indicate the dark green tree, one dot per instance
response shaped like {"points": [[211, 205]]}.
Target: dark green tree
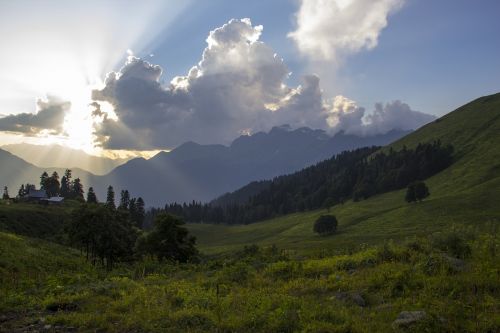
{"points": [[22, 192], [140, 211], [124, 200], [169, 240], [43, 180], [325, 225], [66, 190], [410, 193], [416, 191], [5, 195], [91, 196], [52, 185], [421, 191], [106, 236], [110, 198], [77, 190]]}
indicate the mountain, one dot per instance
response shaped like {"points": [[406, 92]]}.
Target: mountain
{"points": [[203, 172], [56, 156], [16, 171], [464, 196]]}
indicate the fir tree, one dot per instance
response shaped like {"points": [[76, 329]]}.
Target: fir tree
{"points": [[110, 198], [91, 196]]}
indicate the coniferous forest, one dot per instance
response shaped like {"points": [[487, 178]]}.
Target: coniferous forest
{"points": [[356, 175]]}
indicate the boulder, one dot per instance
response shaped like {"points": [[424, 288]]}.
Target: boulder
{"points": [[408, 318]]}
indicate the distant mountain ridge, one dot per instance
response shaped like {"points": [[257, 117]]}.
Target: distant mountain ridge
{"points": [[204, 172], [57, 156]]}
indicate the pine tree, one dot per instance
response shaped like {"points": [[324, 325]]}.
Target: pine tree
{"points": [[124, 200], [43, 180], [110, 198], [140, 211], [22, 192], [6, 193], [66, 184], [91, 197], [77, 190]]}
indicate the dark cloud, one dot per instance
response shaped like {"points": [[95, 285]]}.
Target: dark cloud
{"points": [[49, 116]]}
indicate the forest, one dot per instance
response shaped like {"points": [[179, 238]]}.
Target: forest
{"points": [[356, 175]]}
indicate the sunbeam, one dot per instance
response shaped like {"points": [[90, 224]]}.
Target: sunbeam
{"points": [[68, 63]]}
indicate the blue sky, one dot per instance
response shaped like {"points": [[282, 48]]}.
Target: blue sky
{"points": [[435, 55], [415, 56]]}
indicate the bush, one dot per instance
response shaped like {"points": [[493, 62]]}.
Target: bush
{"points": [[325, 225]]}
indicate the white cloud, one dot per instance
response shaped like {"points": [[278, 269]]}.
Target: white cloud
{"points": [[345, 115], [328, 29], [239, 86]]}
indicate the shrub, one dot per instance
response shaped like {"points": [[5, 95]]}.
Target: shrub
{"points": [[325, 225]]}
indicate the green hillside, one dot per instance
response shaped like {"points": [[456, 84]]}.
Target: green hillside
{"points": [[464, 194], [50, 288]]}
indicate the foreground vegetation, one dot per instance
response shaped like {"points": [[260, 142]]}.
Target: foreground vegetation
{"points": [[452, 277]]}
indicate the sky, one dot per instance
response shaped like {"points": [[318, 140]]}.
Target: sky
{"points": [[130, 76]]}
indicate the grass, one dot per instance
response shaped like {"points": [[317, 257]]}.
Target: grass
{"points": [[259, 289]]}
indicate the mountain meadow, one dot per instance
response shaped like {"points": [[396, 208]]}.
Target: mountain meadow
{"points": [[390, 259]]}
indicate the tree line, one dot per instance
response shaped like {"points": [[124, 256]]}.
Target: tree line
{"points": [[356, 175]]}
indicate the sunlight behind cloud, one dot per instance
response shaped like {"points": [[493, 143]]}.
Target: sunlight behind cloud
{"points": [[65, 49]]}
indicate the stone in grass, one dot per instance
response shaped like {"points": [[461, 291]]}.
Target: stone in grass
{"points": [[408, 318], [354, 297]]}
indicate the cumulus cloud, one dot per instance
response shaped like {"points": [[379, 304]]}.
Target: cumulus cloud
{"points": [[49, 117], [239, 86], [328, 29], [345, 115]]}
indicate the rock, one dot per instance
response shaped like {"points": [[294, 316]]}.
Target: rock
{"points": [[354, 297], [407, 318], [455, 264], [47, 327], [358, 299]]}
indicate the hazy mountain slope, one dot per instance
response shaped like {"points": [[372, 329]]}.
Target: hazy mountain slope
{"points": [[464, 194], [63, 157], [15, 171], [203, 172]]}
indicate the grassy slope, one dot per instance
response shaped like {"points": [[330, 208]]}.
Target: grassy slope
{"points": [[34, 220], [253, 292], [465, 193]]}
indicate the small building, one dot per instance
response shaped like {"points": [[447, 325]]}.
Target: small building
{"points": [[36, 195], [55, 200]]}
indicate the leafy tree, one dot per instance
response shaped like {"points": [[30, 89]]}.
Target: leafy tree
{"points": [[421, 191], [77, 190], [417, 191], [106, 236], [110, 198], [5, 195], [124, 200], [168, 240], [410, 193], [91, 196], [325, 225]]}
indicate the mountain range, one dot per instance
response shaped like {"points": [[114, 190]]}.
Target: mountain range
{"points": [[204, 172], [57, 156]]}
